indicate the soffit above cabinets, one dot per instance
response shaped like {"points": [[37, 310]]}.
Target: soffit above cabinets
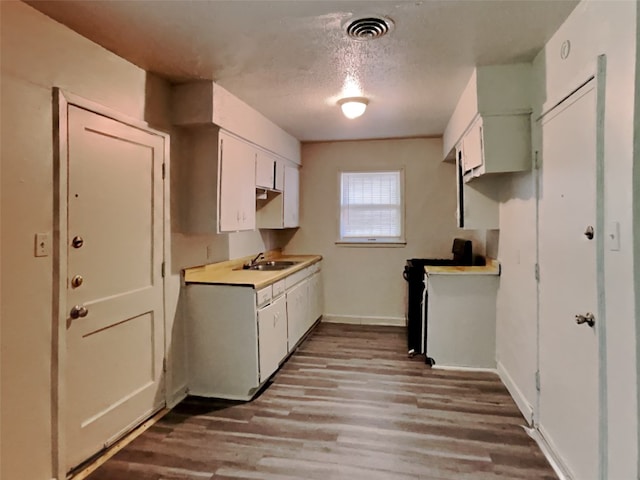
{"points": [[292, 61]]}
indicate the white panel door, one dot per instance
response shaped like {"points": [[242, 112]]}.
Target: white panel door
{"points": [[114, 298], [569, 357]]}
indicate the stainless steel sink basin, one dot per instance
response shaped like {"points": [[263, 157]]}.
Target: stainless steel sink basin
{"points": [[267, 265]]}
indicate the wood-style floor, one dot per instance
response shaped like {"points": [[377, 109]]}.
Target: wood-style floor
{"points": [[348, 404]]}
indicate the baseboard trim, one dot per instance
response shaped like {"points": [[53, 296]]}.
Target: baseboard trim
{"points": [[101, 458], [550, 453], [364, 320], [177, 396], [521, 401], [465, 369]]}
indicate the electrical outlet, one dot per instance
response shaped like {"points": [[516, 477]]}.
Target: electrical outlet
{"points": [[42, 245]]}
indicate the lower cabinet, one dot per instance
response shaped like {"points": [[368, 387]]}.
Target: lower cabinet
{"points": [[272, 336], [297, 312], [237, 336]]}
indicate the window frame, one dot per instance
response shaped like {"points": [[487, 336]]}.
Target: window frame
{"points": [[399, 241]]}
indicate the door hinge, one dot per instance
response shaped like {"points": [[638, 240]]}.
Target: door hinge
{"points": [[164, 365], [538, 380], [162, 269], [164, 170], [537, 271], [536, 160]]}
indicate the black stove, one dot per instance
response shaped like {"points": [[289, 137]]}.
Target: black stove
{"points": [[416, 295]]}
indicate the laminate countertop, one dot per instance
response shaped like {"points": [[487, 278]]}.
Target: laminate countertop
{"points": [[491, 268], [231, 272]]}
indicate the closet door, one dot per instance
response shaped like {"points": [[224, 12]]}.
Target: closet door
{"points": [[569, 356]]}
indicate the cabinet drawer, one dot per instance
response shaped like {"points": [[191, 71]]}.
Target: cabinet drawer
{"points": [[278, 288], [297, 277], [263, 296]]}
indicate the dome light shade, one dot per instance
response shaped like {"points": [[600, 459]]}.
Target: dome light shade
{"points": [[353, 107]]}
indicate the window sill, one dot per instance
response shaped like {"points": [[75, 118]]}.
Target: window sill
{"points": [[380, 244]]}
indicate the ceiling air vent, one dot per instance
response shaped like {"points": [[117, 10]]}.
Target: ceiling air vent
{"points": [[368, 27]]}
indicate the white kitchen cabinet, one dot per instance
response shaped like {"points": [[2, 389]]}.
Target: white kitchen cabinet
{"points": [[217, 193], [237, 184], [496, 144], [471, 147], [297, 312], [316, 297], [291, 196], [281, 210], [265, 170], [279, 176], [237, 336], [491, 122], [461, 319], [477, 201], [222, 341], [272, 336]]}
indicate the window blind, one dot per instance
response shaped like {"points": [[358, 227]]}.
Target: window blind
{"points": [[371, 206]]}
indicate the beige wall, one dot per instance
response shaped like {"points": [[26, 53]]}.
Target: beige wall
{"points": [[365, 283], [593, 28], [38, 54]]}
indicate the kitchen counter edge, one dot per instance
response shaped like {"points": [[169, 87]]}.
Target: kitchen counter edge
{"points": [[492, 267], [230, 272]]}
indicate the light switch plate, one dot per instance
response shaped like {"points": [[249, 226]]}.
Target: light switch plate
{"points": [[612, 236], [42, 245]]}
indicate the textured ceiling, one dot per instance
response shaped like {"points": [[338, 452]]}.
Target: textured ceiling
{"points": [[292, 61]]}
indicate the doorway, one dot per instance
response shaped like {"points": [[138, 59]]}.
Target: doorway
{"points": [[571, 329], [109, 269]]}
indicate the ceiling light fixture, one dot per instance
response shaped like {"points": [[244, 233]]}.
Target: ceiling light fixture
{"points": [[353, 107]]}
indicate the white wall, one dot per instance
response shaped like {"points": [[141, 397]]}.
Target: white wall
{"points": [[366, 283], [593, 28]]}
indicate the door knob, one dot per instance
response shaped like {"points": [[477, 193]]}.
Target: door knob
{"points": [[77, 242], [78, 311], [589, 232], [76, 281], [587, 318]]}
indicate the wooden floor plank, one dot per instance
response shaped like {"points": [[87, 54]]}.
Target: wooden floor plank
{"points": [[348, 404]]}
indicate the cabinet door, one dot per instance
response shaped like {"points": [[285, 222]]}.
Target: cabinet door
{"points": [[272, 337], [236, 202], [297, 312], [291, 197], [265, 170], [472, 151], [315, 298], [279, 176]]}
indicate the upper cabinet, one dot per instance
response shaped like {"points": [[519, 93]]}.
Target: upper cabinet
{"points": [[291, 195], [236, 203], [281, 210], [217, 186], [227, 152], [490, 130], [265, 170]]}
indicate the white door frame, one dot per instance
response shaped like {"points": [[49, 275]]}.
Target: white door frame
{"points": [[61, 102], [596, 71]]}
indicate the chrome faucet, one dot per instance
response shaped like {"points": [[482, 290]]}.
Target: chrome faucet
{"points": [[256, 258]]}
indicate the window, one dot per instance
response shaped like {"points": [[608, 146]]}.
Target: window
{"points": [[371, 207]]}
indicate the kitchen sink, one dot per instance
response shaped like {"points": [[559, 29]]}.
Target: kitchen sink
{"points": [[267, 265]]}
